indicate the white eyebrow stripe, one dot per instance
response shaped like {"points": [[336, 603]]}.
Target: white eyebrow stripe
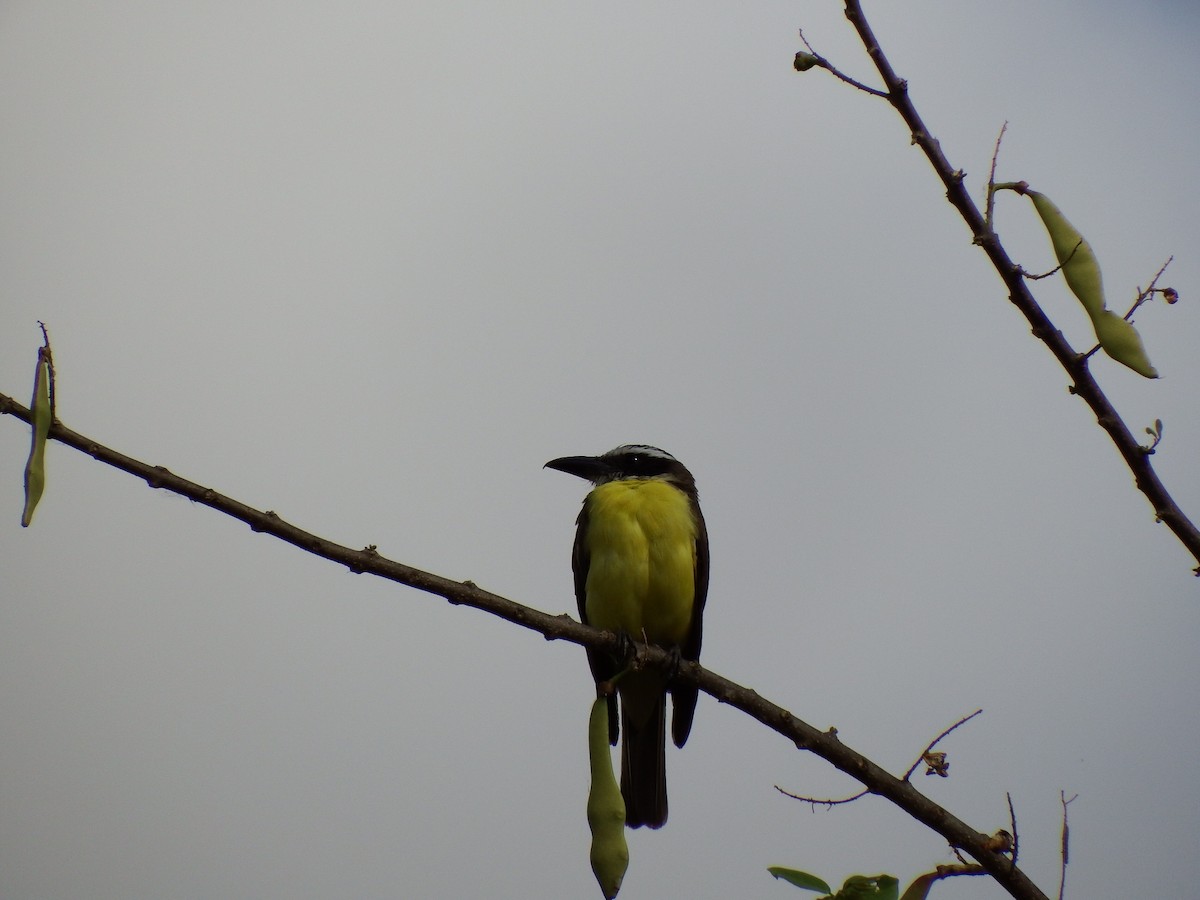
{"points": [[644, 449]]}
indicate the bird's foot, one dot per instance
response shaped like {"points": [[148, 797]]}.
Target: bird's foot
{"points": [[626, 648], [676, 662]]}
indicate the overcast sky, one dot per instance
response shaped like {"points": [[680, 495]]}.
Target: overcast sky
{"points": [[370, 265]]}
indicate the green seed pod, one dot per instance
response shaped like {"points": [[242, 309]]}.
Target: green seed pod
{"points": [[1122, 342], [1074, 254], [42, 415], [1118, 337], [605, 807]]}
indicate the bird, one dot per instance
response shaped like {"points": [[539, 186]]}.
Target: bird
{"points": [[641, 564]]}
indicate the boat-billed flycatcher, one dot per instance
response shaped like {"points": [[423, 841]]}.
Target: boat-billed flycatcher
{"points": [[641, 570]]}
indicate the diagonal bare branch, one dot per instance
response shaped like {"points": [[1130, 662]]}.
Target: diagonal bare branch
{"points": [[1083, 384], [562, 627]]}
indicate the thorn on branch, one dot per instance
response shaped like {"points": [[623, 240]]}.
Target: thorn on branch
{"points": [[163, 474], [257, 526]]}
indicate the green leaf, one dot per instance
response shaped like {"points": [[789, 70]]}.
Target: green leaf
{"points": [[800, 879]]}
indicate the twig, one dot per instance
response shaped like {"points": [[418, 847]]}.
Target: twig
{"points": [[1149, 292], [822, 801], [991, 185], [815, 59], [1016, 835], [1066, 840], [922, 758]]}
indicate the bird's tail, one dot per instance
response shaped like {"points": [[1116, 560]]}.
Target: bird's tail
{"points": [[644, 765]]}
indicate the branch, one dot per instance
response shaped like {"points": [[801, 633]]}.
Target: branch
{"points": [[562, 627], [924, 757], [1066, 841], [1075, 364], [935, 761]]}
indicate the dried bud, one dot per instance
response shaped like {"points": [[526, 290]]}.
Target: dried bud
{"points": [[1000, 842], [805, 61], [937, 764]]}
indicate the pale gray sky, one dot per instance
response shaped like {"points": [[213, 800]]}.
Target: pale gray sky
{"points": [[371, 264]]}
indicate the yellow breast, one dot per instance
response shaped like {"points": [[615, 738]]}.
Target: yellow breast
{"points": [[641, 539]]}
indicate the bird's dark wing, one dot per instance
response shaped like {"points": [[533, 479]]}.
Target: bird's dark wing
{"points": [[602, 665], [683, 697]]}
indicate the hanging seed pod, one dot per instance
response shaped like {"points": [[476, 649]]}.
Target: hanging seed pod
{"points": [[1122, 342], [42, 415], [605, 807], [1074, 254], [1119, 339]]}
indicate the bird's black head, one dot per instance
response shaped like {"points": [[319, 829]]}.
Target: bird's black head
{"points": [[627, 462]]}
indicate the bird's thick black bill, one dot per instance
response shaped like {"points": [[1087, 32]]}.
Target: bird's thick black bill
{"points": [[590, 468]]}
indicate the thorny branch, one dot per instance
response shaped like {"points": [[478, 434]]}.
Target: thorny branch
{"points": [[1083, 384], [824, 744]]}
